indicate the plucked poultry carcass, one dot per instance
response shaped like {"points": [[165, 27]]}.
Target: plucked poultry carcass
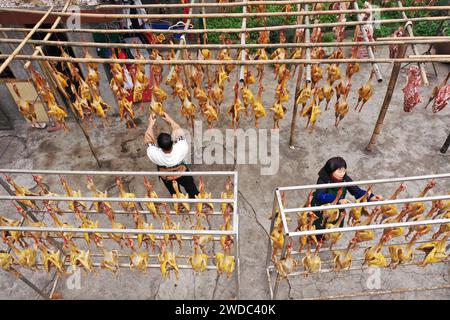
{"points": [[144, 237], [236, 108], [435, 251], [337, 54], [343, 259], [397, 231], [73, 194], [332, 214], [411, 90], [287, 265], [93, 76], [335, 236], [57, 113], [365, 93], [188, 109], [15, 236], [180, 207], [421, 230], [401, 253], [312, 111], [341, 109], [22, 191], [261, 54], [248, 98], [126, 111], [168, 224], [6, 261], [334, 73], [157, 108], [168, 262], [99, 206], [139, 260], [198, 260], [73, 70], [150, 193], [437, 89], [203, 208], [316, 74], [89, 224], [126, 195], [51, 259], [110, 260], [367, 235], [304, 96], [343, 88], [443, 228], [258, 108], [390, 210], [120, 238], [356, 212], [100, 107], [155, 67], [25, 108], [225, 263], [37, 236], [159, 94], [66, 236], [80, 258], [417, 208], [312, 262], [373, 256], [279, 112], [210, 111], [25, 258]]}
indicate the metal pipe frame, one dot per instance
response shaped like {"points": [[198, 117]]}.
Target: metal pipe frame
{"points": [[234, 232], [289, 235]]}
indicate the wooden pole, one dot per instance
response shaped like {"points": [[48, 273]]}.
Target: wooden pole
{"points": [[384, 42], [387, 99], [446, 144], [296, 93], [409, 28], [48, 35], [375, 67], [230, 30], [424, 58], [24, 41], [221, 15]]}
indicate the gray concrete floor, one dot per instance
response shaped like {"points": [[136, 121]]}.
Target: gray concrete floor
{"points": [[408, 145]]}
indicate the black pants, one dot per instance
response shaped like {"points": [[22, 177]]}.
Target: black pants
{"points": [[318, 223], [187, 182]]}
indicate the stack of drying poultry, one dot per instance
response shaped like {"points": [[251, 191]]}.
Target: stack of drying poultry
{"points": [[382, 253], [80, 252]]}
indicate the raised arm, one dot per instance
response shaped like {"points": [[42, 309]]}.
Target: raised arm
{"points": [[149, 136], [177, 131]]}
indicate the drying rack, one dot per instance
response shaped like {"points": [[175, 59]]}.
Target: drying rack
{"points": [[279, 207], [132, 233]]}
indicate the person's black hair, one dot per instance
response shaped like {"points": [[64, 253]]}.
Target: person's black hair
{"points": [[335, 163], [165, 141]]}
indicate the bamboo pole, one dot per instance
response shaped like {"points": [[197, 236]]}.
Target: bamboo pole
{"points": [[226, 4], [387, 99], [424, 58], [221, 15], [24, 41], [409, 28], [48, 35], [230, 30], [375, 67], [296, 93], [388, 41]]}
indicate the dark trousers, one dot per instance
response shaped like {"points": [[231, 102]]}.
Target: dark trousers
{"points": [[187, 182]]}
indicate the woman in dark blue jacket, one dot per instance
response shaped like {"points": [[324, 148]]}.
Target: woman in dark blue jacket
{"points": [[335, 171]]}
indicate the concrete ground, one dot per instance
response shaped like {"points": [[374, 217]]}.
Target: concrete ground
{"points": [[408, 145]]}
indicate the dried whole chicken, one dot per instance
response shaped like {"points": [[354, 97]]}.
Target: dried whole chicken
{"points": [[328, 93], [89, 224], [337, 54], [211, 113], [25, 257], [225, 263], [316, 74], [277, 237], [139, 261], [312, 111], [226, 241], [200, 95], [73, 70], [367, 235], [51, 258], [343, 259], [228, 194], [217, 95], [304, 96], [73, 194], [80, 258], [57, 113], [155, 67], [21, 191], [318, 53], [247, 97], [168, 262], [437, 89], [179, 207], [188, 109], [401, 254], [61, 79], [334, 73], [126, 111], [15, 236], [352, 69], [126, 195], [81, 105], [157, 108], [258, 108], [434, 251], [343, 88], [99, 206], [341, 109], [365, 93], [417, 208], [141, 224], [312, 263], [335, 236], [390, 210], [398, 231], [279, 112], [99, 106], [159, 94], [356, 212], [110, 260], [411, 90], [203, 195], [443, 228], [422, 229], [120, 238], [287, 265], [332, 214], [6, 261], [198, 261], [236, 108], [261, 54], [170, 225], [25, 108], [67, 236], [373, 255], [37, 236], [151, 206]]}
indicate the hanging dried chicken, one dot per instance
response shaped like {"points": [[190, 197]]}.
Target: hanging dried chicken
{"points": [[411, 90]]}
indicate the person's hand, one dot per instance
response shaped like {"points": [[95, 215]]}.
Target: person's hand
{"points": [[344, 201], [377, 197], [166, 117], [151, 119]]}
